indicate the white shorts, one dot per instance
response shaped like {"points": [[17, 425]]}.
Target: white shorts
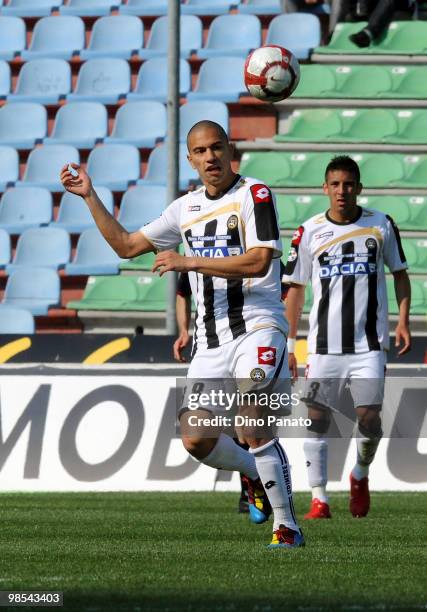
{"points": [[255, 362], [328, 376]]}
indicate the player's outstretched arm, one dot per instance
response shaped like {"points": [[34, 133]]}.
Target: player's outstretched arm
{"points": [[294, 306], [76, 180], [402, 288]]}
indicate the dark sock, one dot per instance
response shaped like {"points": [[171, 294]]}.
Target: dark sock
{"points": [[362, 38]]}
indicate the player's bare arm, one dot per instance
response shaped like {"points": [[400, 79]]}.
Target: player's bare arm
{"points": [[253, 263], [126, 244], [402, 288], [294, 306], [183, 316]]}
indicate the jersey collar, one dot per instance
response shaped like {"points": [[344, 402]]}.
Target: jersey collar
{"points": [[222, 193], [357, 217]]}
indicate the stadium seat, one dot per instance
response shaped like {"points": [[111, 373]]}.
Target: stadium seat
{"points": [[30, 8], [369, 125], [142, 262], [312, 125], [412, 126], [22, 125], [192, 112], [114, 165], [74, 215], [415, 250], [141, 124], [207, 7], [157, 163], [140, 205], [44, 165], [115, 36], [34, 289], [143, 8], [401, 38], [220, 78], [103, 80], [13, 37], [5, 79], [93, 255], [152, 80], [409, 82], [298, 32], [415, 172], [418, 297], [25, 207], [60, 37], [232, 35], [140, 293], [9, 167], [5, 248], [80, 124], [190, 37], [261, 7], [46, 247], [44, 80], [16, 321], [89, 8], [293, 210], [357, 82]]}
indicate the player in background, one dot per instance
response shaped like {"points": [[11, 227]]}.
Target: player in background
{"points": [[183, 319], [342, 252], [232, 248]]}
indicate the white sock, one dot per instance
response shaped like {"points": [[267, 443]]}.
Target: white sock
{"points": [[227, 455], [366, 449], [274, 472], [316, 455]]}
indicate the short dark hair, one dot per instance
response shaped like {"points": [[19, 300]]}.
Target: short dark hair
{"points": [[205, 123], [343, 162]]}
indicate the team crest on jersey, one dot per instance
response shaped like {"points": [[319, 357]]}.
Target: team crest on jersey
{"points": [[267, 355], [371, 243], [257, 374], [261, 193], [232, 222]]}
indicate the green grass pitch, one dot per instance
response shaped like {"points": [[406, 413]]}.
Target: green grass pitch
{"points": [[192, 551]]}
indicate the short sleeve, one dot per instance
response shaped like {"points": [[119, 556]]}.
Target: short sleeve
{"points": [[164, 232], [260, 219], [299, 265], [394, 256]]}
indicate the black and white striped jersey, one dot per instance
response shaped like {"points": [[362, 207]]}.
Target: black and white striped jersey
{"points": [[345, 263], [243, 218]]}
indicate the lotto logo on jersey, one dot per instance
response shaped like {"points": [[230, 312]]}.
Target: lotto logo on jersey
{"points": [[297, 235], [267, 355], [260, 193]]}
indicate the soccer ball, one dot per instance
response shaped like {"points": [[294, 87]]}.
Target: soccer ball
{"points": [[271, 73]]}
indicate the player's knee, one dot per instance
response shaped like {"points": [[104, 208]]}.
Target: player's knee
{"points": [[370, 424], [318, 427], [198, 447]]}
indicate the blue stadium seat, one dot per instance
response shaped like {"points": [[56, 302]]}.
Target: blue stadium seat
{"points": [[9, 167], [25, 207], [44, 165], [232, 35], [60, 37], [30, 8], [44, 80], [81, 124], [4, 79], [220, 78], [144, 8], [261, 7], [47, 247], [32, 288], [114, 165], [16, 320], [152, 81], [13, 37], [103, 80], [74, 215], [141, 124], [93, 255], [22, 125], [5, 248], [298, 32], [190, 37], [157, 165], [192, 112], [89, 8], [207, 7], [115, 36], [140, 205]]}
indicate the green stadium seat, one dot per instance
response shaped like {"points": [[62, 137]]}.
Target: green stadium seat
{"points": [[408, 212], [315, 125], [362, 81], [416, 254], [415, 172], [142, 262], [295, 209], [418, 298], [122, 293], [409, 82], [412, 127], [271, 167], [402, 37], [316, 81], [380, 169]]}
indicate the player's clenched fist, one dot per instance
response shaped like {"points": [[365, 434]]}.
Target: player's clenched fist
{"points": [[76, 180], [170, 260]]}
